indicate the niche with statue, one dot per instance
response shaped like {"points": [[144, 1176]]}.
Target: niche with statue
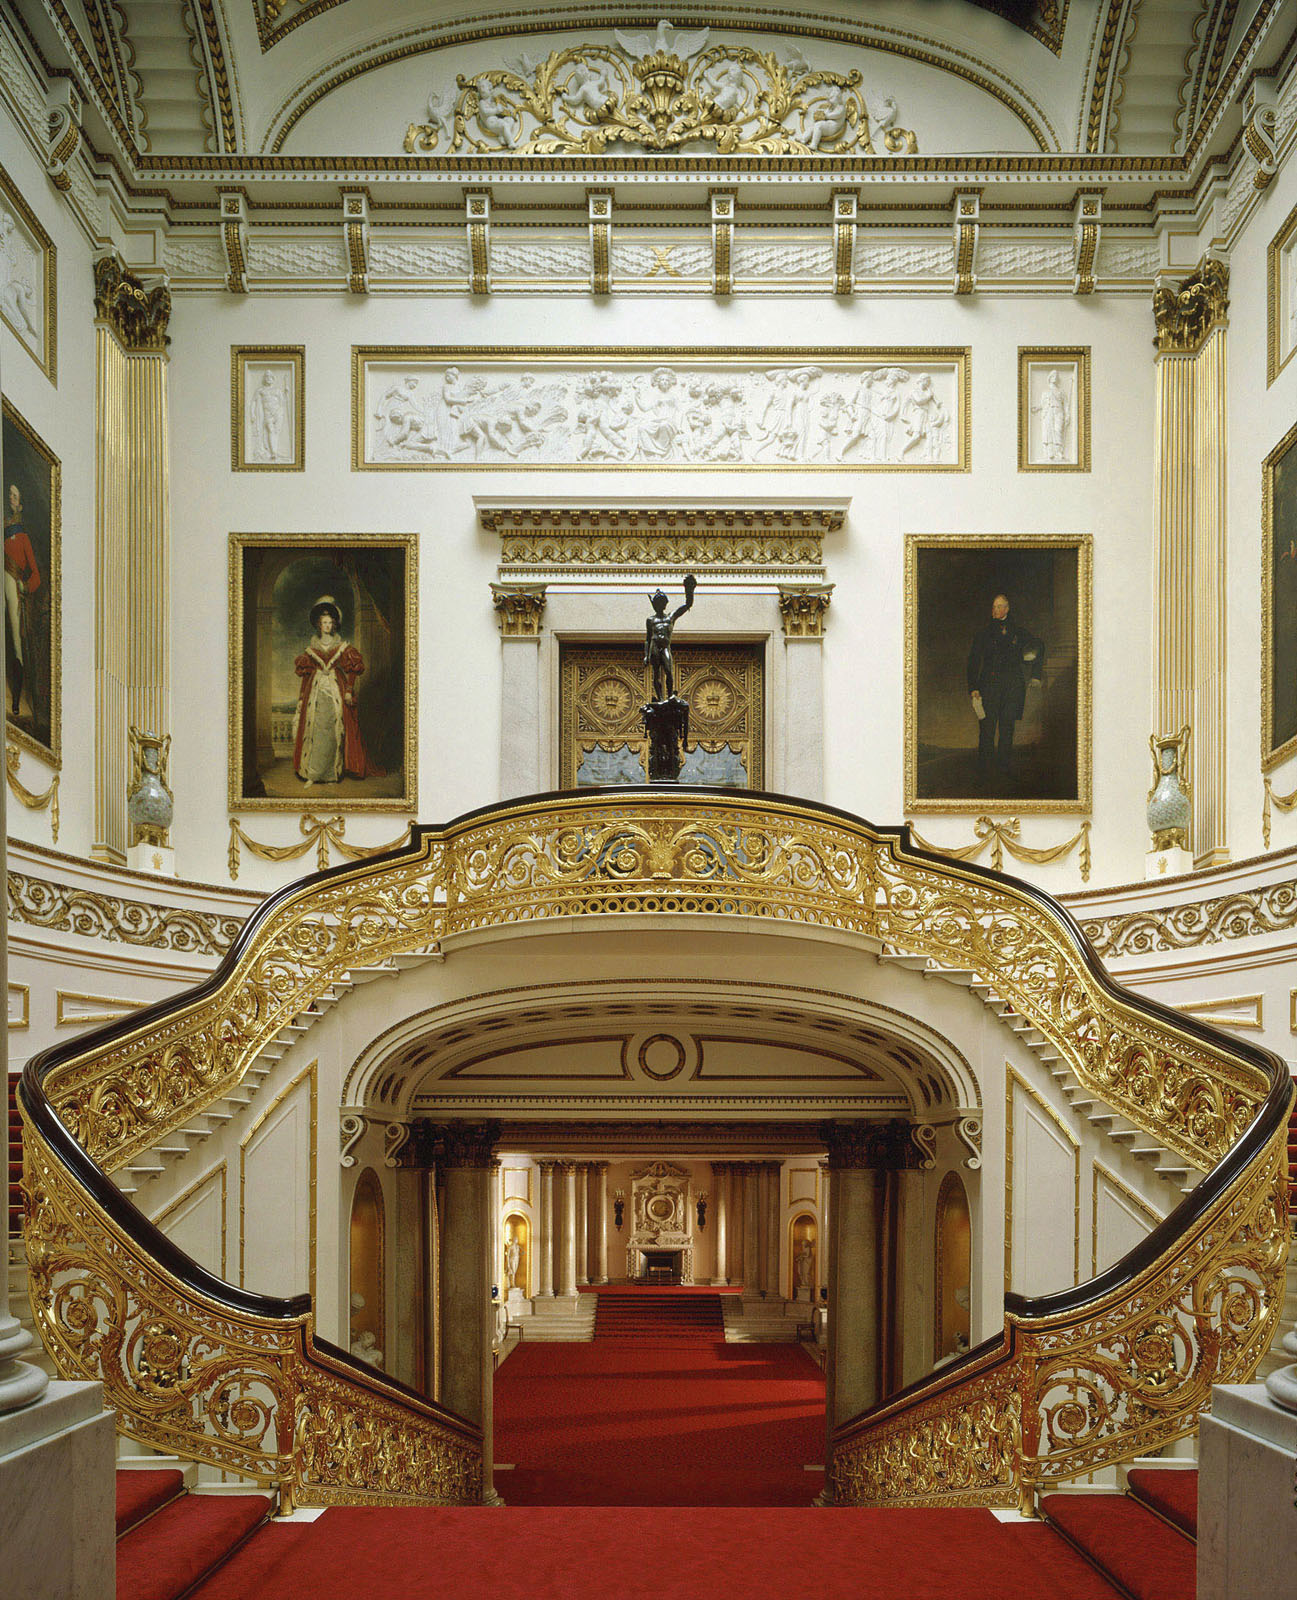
{"points": [[366, 1304], [515, 1258], [954, 1252], [803, 1251]]}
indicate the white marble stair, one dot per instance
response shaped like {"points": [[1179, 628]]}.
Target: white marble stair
{"points": [[770, 1321]]}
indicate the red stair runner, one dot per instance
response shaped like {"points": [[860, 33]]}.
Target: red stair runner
{"points": [[172, 1541], [1145, 1557], [1172, 1491], [140, 1494], [659, 1315]]}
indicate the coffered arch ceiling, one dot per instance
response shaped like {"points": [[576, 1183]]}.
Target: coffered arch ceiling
{"points": [[224, 76], [697, 1048]]}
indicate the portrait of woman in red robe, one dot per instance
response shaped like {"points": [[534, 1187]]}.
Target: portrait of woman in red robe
{"points": [[327, 744]]}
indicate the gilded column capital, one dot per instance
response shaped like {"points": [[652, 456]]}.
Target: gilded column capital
{"points": [[802, 608], [138, 316], [546, 1166], [520, 607], [468, 1144], [1186, 315], [878, 1146]]}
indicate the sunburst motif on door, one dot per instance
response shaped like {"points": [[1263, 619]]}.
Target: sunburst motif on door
{"points": [[602, 687]]}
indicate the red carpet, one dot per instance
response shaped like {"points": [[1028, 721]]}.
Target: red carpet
{"points": [[663, 1315], [1171, 1490], [171, 1551], [1150, 1560], [140, 1494], [694, 1424], [594, 1553]]}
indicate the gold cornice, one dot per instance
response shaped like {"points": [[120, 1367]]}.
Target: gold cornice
{"points": [[526, 518]]}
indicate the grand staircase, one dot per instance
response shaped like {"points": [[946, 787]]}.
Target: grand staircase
{"points": [[169, 1540], [1144, 1541], [658, 1316]]}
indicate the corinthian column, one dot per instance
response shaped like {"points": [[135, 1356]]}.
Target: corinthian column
{"points": [[545, 1244], [721, 1212], [567, 1231], [751, 1229], [582, 1222], [467, 1364], [1190, 545], [770, 1275], [599, 1218], [132, 674], [858, 1153]]}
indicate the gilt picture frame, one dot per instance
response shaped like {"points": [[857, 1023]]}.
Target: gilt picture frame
{"points": [[28, 279], [1053, 408], [33, 589], [1022, 744], [323, 712], [268, 408], [1279, 603]]}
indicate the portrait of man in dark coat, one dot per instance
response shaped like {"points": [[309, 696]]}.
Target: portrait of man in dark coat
{"points": [[1004, 660], [998, 667]]}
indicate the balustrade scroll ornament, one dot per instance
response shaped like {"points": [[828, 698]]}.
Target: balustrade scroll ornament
{"points": [[1185, 316], [665, 90], [1096, 1375], [1002, 836]]}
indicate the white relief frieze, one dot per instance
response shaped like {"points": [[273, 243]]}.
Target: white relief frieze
{"points": [[905, 260], [297, 258], [423, 258], [671, 89], [1000, 258], [779, 258], [873, 410], [548, 261], [662, 261], [1125, 258], [195, 258]]}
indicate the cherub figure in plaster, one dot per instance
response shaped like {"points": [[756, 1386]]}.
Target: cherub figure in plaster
{"points": [[602, 421], [18, 298], [727, 87], [497, 115], [587, 89], [825, 117], [729, 421], [834, 415]]}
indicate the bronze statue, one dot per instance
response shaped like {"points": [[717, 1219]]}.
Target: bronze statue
{"points": [[666, 715], [657, 639]]}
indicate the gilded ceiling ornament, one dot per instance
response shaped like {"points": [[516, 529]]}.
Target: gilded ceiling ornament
{"points": [[1185, 316], [665, 90]]}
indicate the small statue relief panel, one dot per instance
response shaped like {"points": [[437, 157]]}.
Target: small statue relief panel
{"points": [[863, 410], [1053, 410], [27, 278], [602, 740], [267, 391]]}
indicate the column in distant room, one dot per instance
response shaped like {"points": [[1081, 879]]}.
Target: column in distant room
{"points": [[750, 1171], [545, 1244], [566, 1285], [721, 1212], [770, 1275], [582, 1222], [467, 1319], [598, 1208]]}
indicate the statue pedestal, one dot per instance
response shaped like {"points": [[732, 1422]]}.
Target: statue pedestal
{"points": [[1167, 863], [666, 722], [159, 859]]}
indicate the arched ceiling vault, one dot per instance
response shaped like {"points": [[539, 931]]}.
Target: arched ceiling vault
{"points": [[180, 77]]}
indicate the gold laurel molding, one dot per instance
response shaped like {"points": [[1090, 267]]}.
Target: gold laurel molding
{"points": [[1002, 836], [46, 799], [324, 833]]}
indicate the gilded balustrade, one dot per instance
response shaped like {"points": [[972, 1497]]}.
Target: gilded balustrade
{"points": [[1109, 1375]]}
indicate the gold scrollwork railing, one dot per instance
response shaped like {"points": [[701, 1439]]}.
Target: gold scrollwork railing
{"points": [[1113, 1367]]}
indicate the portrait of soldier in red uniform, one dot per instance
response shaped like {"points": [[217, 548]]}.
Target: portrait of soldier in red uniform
{"points": [[22, 580], [31, 586]]}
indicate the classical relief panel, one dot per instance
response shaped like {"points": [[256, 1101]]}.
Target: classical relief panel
{"points": [[860, 410], [671, 89], [27, 277]]}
